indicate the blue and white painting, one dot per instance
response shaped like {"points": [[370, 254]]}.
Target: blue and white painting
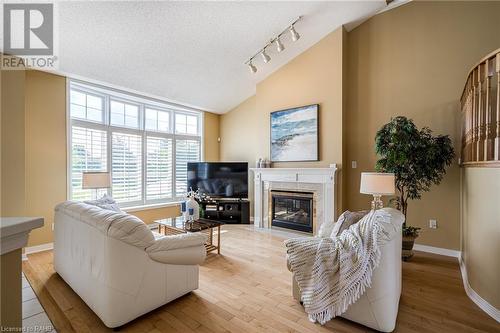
{"points": [[294, 134]]}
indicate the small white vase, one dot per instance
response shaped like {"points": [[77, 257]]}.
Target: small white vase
{"points": [[191, 203]]}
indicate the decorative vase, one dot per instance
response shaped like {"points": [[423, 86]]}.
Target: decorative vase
{"points": [[192, 203], [407, 252]]}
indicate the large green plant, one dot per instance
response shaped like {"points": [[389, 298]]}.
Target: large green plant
{"points": [[416, 157]]}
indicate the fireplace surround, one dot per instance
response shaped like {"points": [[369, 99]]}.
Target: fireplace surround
{"points": [[318, 181]]}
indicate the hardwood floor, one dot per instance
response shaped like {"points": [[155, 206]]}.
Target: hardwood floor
{"points": [[248, 289]]}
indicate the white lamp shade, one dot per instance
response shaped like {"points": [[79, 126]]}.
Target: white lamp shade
{"points": [[377, 183], [96, 180]]}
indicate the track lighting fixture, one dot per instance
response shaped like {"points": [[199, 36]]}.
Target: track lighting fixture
{"points": [[294, 35], [252, 68], [279, 45], [265, 57]]}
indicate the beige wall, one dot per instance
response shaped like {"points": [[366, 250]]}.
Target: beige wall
{"points": [[211, 133], [481, 231], [314, 77], [33, 147], [46, 156], [238, 142], [413, 61], [13, 198], [34, 156], [150, 215]]}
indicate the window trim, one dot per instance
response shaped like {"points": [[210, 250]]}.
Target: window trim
{"points": [[107, 93]]}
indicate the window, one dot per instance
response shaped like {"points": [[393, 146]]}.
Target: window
{"points": [[159, 168], [186, 124], [157, 120], [124, 114], [126, 167], [88, 153], [86, 106], [144, 144], [185, 151]]}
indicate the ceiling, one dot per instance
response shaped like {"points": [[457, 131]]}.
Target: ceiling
{"points": [[191, 52]]}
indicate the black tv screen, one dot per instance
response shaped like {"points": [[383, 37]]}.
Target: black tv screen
{"points": [[218, 179]]}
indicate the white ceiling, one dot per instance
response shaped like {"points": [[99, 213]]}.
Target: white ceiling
{"points": [[191, 52]]}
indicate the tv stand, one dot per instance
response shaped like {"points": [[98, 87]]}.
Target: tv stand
{"points": [[227, 210]]}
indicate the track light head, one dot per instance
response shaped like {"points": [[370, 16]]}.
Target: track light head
{"points": [[265, 57], [279, 45], [252, 68], [295, 34]]}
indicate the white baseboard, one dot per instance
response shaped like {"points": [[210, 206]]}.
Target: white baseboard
{"points": [[475, 297], [37, 248], [437, 250]]}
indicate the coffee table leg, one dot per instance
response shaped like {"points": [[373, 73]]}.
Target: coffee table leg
{"points": [[218, 239]]}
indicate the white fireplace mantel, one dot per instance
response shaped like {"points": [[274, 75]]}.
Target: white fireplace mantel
{"points": [[320, 180]]}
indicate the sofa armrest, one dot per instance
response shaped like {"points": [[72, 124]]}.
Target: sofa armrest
{"points": [[182, 249], [193, 255], [180, 241]]}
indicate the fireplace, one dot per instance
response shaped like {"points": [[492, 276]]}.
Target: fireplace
{"points": [[292, 210]]}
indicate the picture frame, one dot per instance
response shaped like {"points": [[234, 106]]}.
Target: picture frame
{"points": [[294, 134]]}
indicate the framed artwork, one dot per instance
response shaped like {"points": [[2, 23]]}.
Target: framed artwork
{"points": [[294, 134]]}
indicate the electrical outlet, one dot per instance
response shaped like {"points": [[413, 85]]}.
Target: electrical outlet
{"points": [[354, 164], [52, 226], [433, 224]]}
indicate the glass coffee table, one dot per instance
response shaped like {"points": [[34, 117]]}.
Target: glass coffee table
{"points": [[176, 225]]}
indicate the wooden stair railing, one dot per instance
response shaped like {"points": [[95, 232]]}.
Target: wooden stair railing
{"points": [[481, 114]]}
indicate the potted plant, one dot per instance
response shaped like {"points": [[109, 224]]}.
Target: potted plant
{"points": [[418, 159]]}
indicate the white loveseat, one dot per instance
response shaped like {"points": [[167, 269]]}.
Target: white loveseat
{"points": [[378, 307], [118, 266]]}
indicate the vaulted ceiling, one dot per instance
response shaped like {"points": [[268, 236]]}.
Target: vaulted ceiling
{"points": [[191, 52]]}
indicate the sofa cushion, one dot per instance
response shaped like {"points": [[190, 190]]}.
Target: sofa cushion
{"points": [[345, 220], [106, 202], [121, 226], [130, 229]]}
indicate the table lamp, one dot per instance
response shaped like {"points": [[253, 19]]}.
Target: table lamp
{"points": [[95, 180], [377, 184]]}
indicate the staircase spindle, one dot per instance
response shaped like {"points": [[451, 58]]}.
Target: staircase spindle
{"points": [[480, 107]]}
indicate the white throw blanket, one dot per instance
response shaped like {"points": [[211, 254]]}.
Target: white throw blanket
{"points": [[333, 273]]}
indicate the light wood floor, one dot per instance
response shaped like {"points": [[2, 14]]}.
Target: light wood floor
{"points": [[247, 289]]}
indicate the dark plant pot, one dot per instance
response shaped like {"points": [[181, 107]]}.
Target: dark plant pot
{"points": [[408, 242]]}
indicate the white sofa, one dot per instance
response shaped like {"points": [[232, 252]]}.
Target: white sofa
{"points": [[378, 307], [118, 266]]}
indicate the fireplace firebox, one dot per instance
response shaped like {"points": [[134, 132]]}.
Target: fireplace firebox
{"points": [[292, 210]]}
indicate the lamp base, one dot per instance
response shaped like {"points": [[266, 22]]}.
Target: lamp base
{"points": [[377, 202]]}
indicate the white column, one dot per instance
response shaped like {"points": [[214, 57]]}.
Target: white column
{"points": [[257, 212]]}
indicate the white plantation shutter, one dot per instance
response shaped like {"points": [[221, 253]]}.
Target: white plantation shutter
{"points": [[88, 153], [185, 151], [126, 167], [158, 168]]}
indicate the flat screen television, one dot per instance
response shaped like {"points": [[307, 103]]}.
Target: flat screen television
{"points": [[219, 179]]}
